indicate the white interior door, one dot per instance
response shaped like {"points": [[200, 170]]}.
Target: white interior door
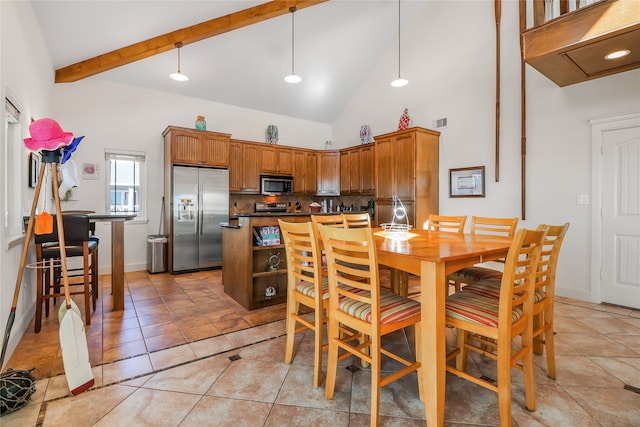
{"points": [[620, 274]]}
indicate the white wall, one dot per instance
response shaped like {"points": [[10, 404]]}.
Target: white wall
{"points": [[115, 116], [26, 76], [449, 60]]}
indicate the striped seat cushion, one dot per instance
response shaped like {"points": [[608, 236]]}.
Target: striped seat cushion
{"points": [[309, 289], [476, 308], [491, 288], [393, 308], [473, 274]]}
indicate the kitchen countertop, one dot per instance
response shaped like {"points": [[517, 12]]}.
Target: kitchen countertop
{"points": [[272, 214]]}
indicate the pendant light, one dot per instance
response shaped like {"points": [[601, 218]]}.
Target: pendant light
{"points": [[178, 76], [292, 78], [399, 82]]}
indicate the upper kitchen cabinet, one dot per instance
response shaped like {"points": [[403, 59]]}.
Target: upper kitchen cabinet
{"points": [[328, 173], [200, 148], [356, 170], [244, 176], [276, 160], [406, 165], [305, 177]]}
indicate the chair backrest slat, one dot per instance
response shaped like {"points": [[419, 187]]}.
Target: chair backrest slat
{"points": [[496, 226], [519, 276], [449, 223]]}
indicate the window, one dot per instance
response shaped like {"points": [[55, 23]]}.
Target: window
{"points": [[125, 178], [12, 172]]}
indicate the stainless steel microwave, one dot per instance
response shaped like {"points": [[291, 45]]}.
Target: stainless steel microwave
{"points": [[276, 185]]}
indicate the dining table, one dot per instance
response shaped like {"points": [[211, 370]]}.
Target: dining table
{"points": [[432, 255], [117, 221]]}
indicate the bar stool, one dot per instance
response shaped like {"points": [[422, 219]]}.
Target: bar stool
{"points": [[77, 244]]}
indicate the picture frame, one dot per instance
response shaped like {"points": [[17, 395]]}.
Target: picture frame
{"points": [[467, 182], [34, 169], [90, 171]]}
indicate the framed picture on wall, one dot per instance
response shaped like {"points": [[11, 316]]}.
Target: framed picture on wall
{"points": [[34, 169], [466, 182], [90, 171]]}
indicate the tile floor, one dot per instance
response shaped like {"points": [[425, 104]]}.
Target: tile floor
{"points": [[223, 366]]}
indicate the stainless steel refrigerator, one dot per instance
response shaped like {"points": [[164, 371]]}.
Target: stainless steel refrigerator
{"points": [[200, 204]]}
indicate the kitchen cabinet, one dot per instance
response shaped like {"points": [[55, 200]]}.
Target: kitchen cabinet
{"points": [[276, 160], [406, 165], [305, 177], [244, 176], [255, 276], [356, 170], [328, 173], [194, 147]]}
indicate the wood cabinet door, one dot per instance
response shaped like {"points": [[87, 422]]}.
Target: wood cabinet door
{"points": [[345, 173], [285, 161], [244, 176], [214, 150], [268, 159], [299, 159], [251, 173], [384, 170], [405, 176], [354, 172], [329, 174], [235, 167], [367, 173], [311, 173], [185, 148]]}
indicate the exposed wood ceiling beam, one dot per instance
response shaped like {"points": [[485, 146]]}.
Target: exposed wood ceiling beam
{"points": [[137, 51]]}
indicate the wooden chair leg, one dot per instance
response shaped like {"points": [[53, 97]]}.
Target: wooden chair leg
{"points": [[418, 342], [94, 278], [332, 359], [87, 286], [292, 307], [376, 380], [548, 344], [504, 382], [317, 357], [538, 339]]}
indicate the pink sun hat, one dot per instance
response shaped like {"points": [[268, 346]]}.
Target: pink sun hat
{"points": [[46, 134]]}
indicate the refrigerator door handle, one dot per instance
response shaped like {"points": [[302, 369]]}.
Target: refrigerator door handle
{"points": [[201, 208]]}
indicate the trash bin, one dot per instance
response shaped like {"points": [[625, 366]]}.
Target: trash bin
{"points": [[157, 253]]}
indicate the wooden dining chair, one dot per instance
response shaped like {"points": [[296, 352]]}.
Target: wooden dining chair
{"points": [[543, 303], [77, 244], [489, 326], [357, 302], [484, 225], [305, 286], [356, 220], [454, 224]]}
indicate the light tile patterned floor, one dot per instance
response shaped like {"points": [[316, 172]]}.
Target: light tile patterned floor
{"points": [[238, 379]]}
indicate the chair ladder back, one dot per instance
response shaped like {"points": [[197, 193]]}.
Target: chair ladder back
{"points": [[357, 220], [547, 265], [519, 278], [352, 265], [448, 223], [496, 226]]}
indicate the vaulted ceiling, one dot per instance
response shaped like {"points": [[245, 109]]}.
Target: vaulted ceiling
{"points": [[336, 44]]}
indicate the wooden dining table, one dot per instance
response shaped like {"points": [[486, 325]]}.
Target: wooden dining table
{"points": [[433, 255], [117, 252]]}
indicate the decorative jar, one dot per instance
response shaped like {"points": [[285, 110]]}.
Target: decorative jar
{"points": [[201, 123], [272, 134]]}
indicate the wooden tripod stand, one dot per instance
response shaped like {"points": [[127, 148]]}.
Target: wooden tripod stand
{"points": [[49, 159]]}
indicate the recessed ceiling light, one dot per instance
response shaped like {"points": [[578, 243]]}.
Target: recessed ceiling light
{"points": [[617, 54]]}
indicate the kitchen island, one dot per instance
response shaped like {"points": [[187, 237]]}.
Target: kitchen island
{"points": [[254, 264]]}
